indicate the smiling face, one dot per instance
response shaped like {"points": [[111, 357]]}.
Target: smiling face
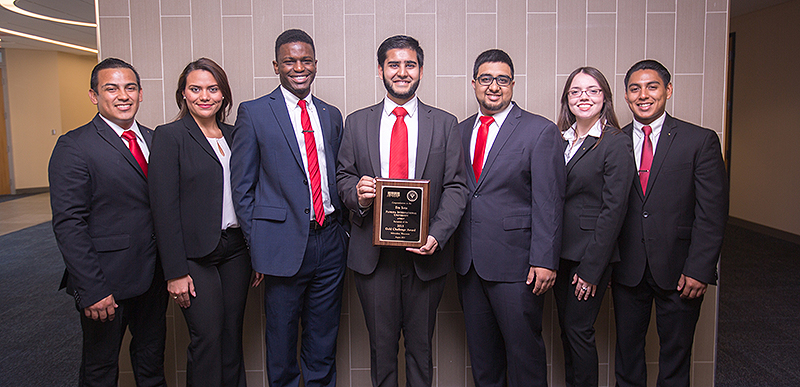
{"points": [[584, 106], [117, 96], [401, 74], [202, 94], [647, 95], [297, 67], [493, 98]]}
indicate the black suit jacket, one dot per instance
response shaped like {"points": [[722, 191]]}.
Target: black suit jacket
{"points": [[101, 214], [599, 178], [439, 159], [514, 213], [186, 184], [677, 227]]}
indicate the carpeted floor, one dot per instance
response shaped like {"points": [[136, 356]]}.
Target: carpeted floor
{"points": [[40, 335], [759, 317]]}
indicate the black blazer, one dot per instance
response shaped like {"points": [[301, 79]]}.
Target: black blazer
{"points": [[101, 214], [677, 227], [599, 178], [514, 212], [186, 185]]}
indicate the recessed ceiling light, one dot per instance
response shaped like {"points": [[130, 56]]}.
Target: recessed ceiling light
{"points": [[9, 5]]}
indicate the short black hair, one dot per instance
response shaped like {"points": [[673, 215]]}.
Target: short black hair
{"points": [[493, 55], [112, 63], [400, 41], [649, 64], [291, 36]]}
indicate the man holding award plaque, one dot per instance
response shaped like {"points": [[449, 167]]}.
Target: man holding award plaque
{"points": [[417, 147]]}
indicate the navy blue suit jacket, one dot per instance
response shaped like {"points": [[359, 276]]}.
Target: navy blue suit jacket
{"points": [[269, 183], [101, 214], [677, 227], [514, 212]]}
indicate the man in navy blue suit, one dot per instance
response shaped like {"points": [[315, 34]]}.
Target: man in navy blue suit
{"points": [[104, 229], [283, 164], [509, 239]]}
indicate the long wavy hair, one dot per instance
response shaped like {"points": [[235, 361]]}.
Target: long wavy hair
{"points": [[608, 118]]}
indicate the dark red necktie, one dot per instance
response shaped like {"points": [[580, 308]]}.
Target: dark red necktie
{"points": [[647, 158], [480, 146], [133, 145], [398, 148], [313, 163]]}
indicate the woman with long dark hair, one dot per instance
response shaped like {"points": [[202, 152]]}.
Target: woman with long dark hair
{"points": [[600, 172], [202, 249]]}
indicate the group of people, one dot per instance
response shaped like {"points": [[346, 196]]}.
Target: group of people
{"points": [[518, 205]]}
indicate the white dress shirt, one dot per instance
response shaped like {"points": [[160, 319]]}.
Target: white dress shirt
{"points": [[494, 128], [638, 137], [412, 124], [139, 139], [575, 143], [223, 152], [294, 116]]}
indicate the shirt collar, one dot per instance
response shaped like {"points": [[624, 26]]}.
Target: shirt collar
{"points": [[655, 126], [410, 106], [499, 117], [118, 129], [595, 131], [292, 100]]}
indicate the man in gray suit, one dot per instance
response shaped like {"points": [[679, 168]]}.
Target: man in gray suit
{"points": [[401, 138], [507, 246]]}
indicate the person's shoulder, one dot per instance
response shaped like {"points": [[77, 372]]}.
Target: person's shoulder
{"points": [[687, 127], [469, 121], [366, 110], [322, 105], [435, 111]]}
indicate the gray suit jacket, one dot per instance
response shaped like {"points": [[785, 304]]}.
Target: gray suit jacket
{"points": [[439, 159]]}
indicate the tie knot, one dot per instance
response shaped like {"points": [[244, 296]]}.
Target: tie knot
{"points": [[647, 130], [487, 120], [129, 135], [399, 112], [302, 104]]}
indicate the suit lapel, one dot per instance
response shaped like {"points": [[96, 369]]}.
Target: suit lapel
{"points": [[278, 106], [637, 186], [509, 125], [466, 138], [198, 136], [424, 136], [588, 143], [668, 132], [373, 130], [327, 132], [110, 136]]}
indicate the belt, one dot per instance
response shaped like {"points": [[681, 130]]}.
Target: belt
{"points": [[329, 219]]}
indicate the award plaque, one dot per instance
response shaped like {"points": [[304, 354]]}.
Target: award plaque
{"points": [[400, 213]]}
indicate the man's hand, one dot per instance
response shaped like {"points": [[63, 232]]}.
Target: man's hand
{"points": [[103, 310], [180, 288], [691, 288], [583, 289], [544, 277], [257, 279], [366, 191], [427, 249]]}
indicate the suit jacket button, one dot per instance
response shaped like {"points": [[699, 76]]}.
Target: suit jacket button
{"points": [[305, 181], [645, 214], [642, 240], [308, 211], [153, 236], [475, 196]]}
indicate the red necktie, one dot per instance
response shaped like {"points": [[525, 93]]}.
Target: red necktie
{"points": [[647, 158], [480, 145], [133, 145], [398, 148], [313, 163]]}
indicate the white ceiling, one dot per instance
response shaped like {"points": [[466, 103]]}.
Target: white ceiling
{"points": [[83, 10]]}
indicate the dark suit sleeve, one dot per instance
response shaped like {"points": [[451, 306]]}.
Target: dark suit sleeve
{"points": [[618, 171], [347, 175], [711, 211], [245, 161], [454, 187], [164, 183], [548, 186], [70, 200]]}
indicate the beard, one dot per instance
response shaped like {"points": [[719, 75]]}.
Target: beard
{"points": [[400, 95]]}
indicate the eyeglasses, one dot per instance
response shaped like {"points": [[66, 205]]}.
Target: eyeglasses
{"points": [[486, 80], [575, 93]]}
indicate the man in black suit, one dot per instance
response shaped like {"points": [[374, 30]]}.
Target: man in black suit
{"points": [[104, 229], [400, 289], [508, 242], [672, 234]]}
